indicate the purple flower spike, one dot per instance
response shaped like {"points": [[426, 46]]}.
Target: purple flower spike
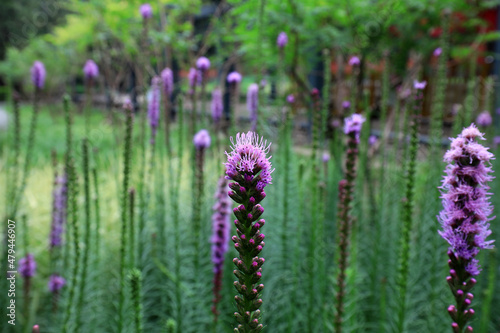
{"points": [[372, 140], [326, 157], [253, 103], [234, 77], [437, 52], [353, 124], [496, 141], [465, 215], [59, 199], [56, 283], [217, 105], [419, 85], [194, 78], [38, 74], [146, 11], [290, 99], [202, 139], [346, 105], [203, 63], [27, 266], [354, 61], [220, 237], [90, 70], [484, 119], [250, 169], [282, 40], [167, 78], [154, 107]]}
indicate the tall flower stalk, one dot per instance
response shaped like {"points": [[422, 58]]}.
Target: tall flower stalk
{"points": [[136, 287], [234, 79], [220, 239], [27, 269], [167, 78], [203, 65], [346, 190], [253, 104], [464, 219], [250, 169], [91, 72], [407, 212]]}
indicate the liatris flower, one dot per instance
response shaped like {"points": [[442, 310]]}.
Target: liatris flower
{"points": [[336, 123], [36, 329], [203, 64], [146, 11], [194, 78], [59, 197], [290, 99], [38, 74], [27, 266], [346, 105], [372, 140], [346, 188], [282, 40], [220, 238], [90, 70], [217, 105], [234, 77], [56, 283], [437, 52], [464, 218], [253, 104], [484, 119], [202, 139], [154, 107], [419, 85], [326, 157], [354, 61], [167, 78], [250, 169], [496, 141]]}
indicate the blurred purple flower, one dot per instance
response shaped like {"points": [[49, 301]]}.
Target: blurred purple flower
{"points": [[354, 61], [27, 266], [154, 107], [282, 40], [372, 140], [346, 105], [202, 139], [336, 123], [194, 78], [253, 103], [217, 105], [167, 78], [326, 157], [203, 63], [419, 85], [90, 70], [234, 77], [484, 119], [353, 124], [220, 225], [496, 141], [56, 283], [466, 206], [437, 52], [59, 200], [38, 74], [290, 99], [146, 11]]}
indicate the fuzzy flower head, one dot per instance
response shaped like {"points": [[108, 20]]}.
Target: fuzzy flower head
{"points": [[202, 139], [90, 70], [203, 64], [217, 105], [437, 52], [484, 119], [146, 11], [248, 160], [220, 225], [354, 61], [346, 105], [38, 74], [419, 85], [167, 78], [27, 266], [234, 78], [352, 124], [59, 199], [290, 99], [56, 283], [154, 106], [466, 208], [282, 40], [372, 140], [194, 78], [326, 157]]}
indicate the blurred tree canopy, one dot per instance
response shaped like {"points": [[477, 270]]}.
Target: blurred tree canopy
{"points": [[244, 32]]}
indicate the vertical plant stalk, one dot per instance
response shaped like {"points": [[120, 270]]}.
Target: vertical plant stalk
{"points": [[464, 219], [407, 214], [73, 210], [132, 255], [16, 149], [136, 288], [346, 195], [250, 169], [127, 153], [67, 166], [86, 250], [97, 211]]}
